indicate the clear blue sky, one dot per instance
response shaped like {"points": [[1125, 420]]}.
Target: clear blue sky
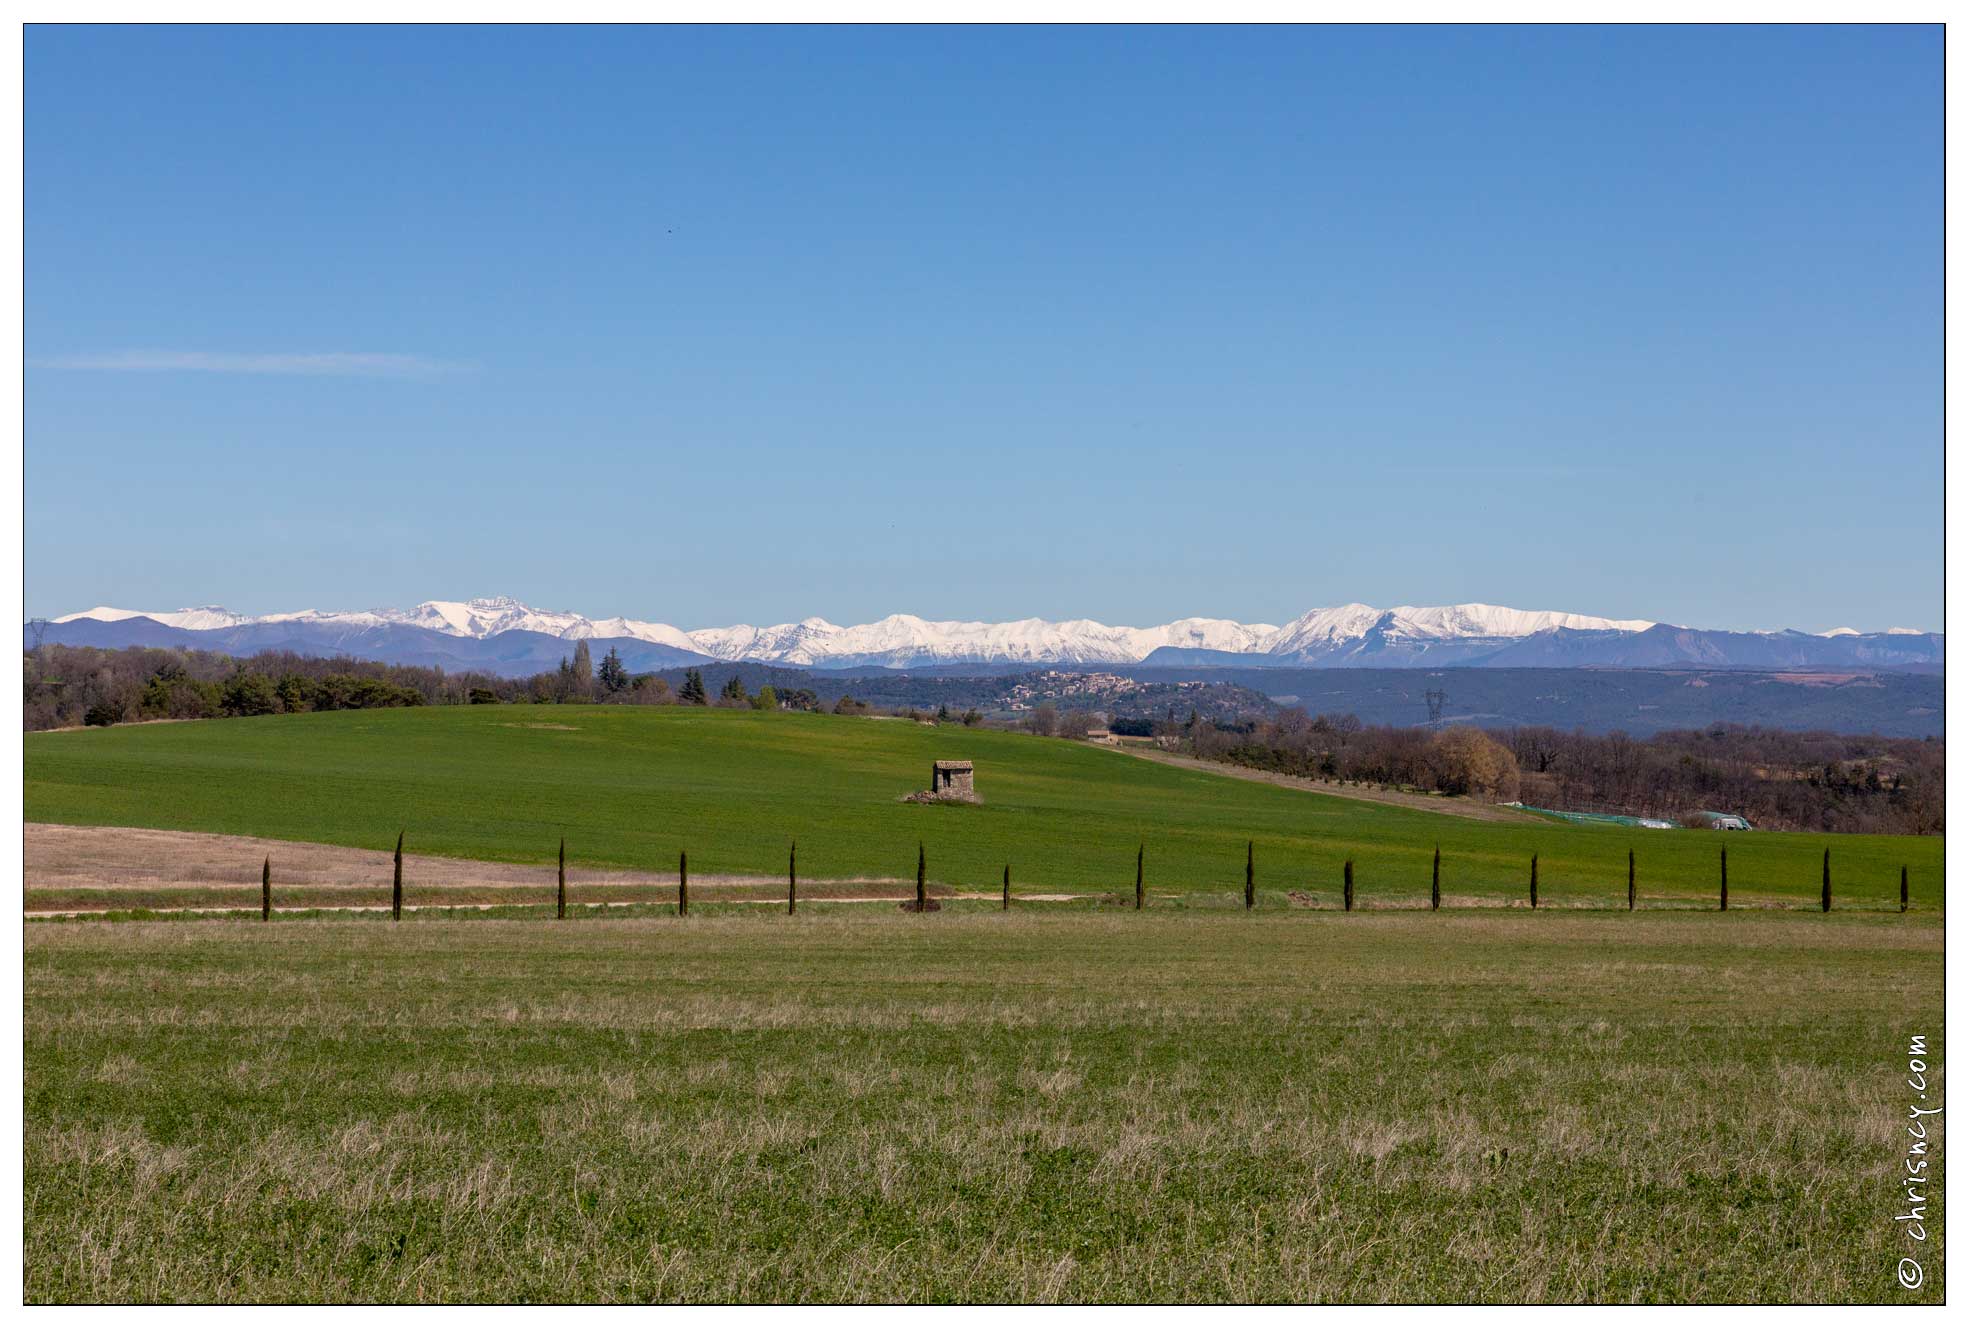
{"points": [[722, 325]]}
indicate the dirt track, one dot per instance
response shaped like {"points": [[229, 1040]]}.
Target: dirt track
{"points": [[1448, 807]]}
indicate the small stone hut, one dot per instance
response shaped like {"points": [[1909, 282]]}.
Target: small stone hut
{"points": [[950, 782], [951, 779]]}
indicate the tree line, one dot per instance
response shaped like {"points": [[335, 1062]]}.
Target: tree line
{"points": [[1779, 779], [65, 686], [1459, 760], [70, 686]]}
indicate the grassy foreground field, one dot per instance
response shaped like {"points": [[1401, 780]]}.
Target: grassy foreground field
{"points": [[869, 1105], [630, 787]]}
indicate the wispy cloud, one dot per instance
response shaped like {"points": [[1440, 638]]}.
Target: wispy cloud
{"points": [[337, 364]]}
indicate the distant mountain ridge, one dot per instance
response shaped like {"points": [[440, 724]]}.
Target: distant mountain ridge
{"points": [[503, 635]]}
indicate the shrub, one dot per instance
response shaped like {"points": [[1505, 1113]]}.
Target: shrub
{"points": [[249, 693], [1475, 763]]}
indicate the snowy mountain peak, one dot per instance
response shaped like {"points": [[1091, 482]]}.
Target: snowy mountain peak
{"points": [[1322, 627], [1481, 620], [201, 619]]}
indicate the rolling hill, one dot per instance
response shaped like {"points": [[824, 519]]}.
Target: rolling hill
{"points": [[632, 786]]}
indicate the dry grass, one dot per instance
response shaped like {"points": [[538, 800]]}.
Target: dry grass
{"points": [[874, 1106]]}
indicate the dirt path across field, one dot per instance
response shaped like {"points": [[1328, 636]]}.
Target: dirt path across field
{"points": [[114, 856], [777, 901], [80, 870], [1449, 807]]}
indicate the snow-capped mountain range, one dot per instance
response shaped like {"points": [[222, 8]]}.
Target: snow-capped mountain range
{"points": [[904, 640], [1357, 634]]}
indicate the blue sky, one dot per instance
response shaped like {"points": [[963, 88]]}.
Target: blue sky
{"points": [[722, 325]]}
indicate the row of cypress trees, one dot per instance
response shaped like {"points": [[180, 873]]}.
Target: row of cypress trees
{"points": [[921, 903]]}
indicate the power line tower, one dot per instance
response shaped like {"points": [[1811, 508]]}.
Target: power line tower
{"points": [[1436, 697], [37, 629]]}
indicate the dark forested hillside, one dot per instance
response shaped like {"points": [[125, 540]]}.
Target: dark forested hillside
{"points": [[1780, 780]]}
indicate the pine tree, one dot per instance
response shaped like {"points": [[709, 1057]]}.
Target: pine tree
{"points": [[614, 678], [692, 693], [734, 689]]}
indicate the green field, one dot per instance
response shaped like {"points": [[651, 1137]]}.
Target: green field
{"points": [[631, 787], [859, 1104], [1050, 1105]]}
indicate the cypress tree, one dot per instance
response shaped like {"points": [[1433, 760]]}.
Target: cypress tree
{"points": [[1534, 881], [1436, 880], [560, 889], [692, 693], [396, 882], [683, 883], [1007, 903], [1904, 888], [791, 850], [1347, 885], [922, 896], [266, 889], [1630, 881], [1140, 849], [1825, 883], [1250, 881]]}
